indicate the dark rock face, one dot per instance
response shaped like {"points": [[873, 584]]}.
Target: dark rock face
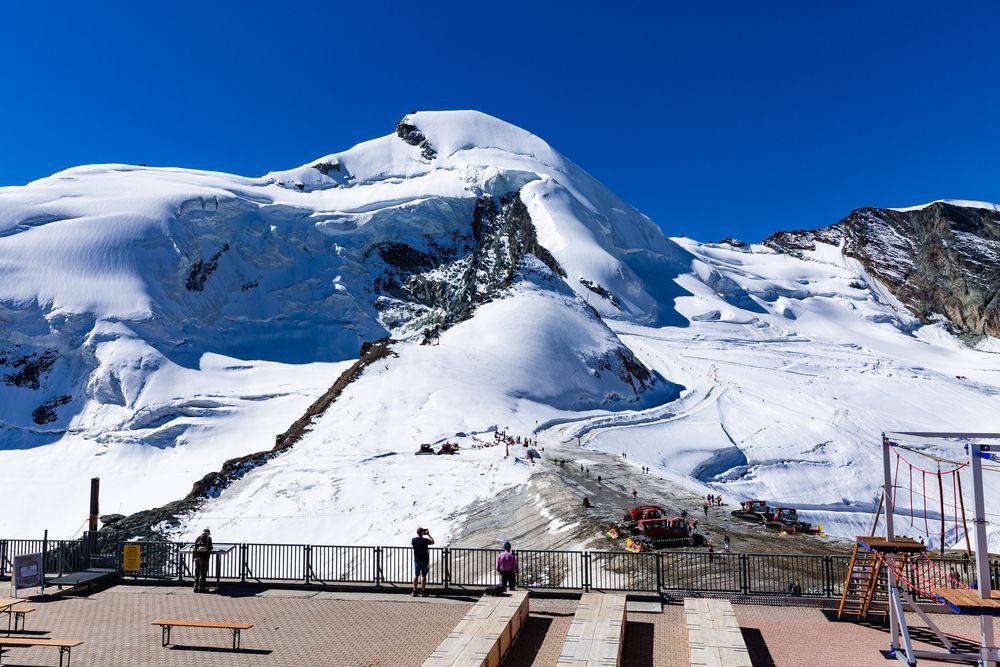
{"points": [[411, 135], [27, 370], [327, 168], [46, 412], [443, 286], [601, 291], [941, 260], [200, 271]]}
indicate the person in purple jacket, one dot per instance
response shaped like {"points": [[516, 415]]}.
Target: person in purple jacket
{"points": [[507, 567]]}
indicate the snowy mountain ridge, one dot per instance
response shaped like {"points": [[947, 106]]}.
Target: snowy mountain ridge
{"points": [[157, 323]]}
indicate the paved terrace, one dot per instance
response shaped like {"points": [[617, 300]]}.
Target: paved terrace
{"points": [[297, 628]]}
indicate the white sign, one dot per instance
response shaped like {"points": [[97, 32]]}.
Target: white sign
{"points": [[28, 571]]}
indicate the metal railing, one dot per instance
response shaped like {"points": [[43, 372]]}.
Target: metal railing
{"points": [[325, 565]]}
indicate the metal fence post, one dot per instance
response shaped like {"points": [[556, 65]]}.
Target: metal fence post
{"points": [[244, 565], [446, 564], [3, 558], [585, 567], [378, 566], [177, 546], [659, 572], [828, 576], [307, 553], [745, 573]]}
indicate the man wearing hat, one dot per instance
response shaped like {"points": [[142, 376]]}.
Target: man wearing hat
{"points": [[202, 554], [507, 567]]}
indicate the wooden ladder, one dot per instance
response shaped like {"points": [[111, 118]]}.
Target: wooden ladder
{"points": [[861, 585], [866, 590]]}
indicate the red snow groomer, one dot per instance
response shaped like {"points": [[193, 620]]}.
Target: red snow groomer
{"points": [[673, 532], [643, 512], [753, 510], [787, 519]]}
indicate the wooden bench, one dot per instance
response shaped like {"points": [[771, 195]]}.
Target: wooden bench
{"points": [[64, 645], [15, 614], [485, 635], [167, 623], [714, 635], [596, 635]]}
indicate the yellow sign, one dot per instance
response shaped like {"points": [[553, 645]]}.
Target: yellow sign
{"points": [[131, 561]]}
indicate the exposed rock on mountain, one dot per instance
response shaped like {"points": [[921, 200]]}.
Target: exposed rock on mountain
{"points": [[942, 259]]}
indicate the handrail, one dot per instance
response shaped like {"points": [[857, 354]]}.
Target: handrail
{"points": [[818, 576]]}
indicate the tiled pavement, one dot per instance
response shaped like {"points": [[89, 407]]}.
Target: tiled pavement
{"points": [[305, 628], [806, 637], [288, 631]]}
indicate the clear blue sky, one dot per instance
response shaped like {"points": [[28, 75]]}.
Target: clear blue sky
{"points": [[715, 119]]}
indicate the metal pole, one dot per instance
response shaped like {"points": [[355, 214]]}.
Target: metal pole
{"points": [[983, 585], [887, 492], [95, 492], [941, 498], [45, 549], [961, 504]]}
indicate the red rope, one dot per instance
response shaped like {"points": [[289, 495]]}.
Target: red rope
{"points": [[896, 450], [927, 527], [911, 492], [895, 478], [923, 575], [954, 501]]}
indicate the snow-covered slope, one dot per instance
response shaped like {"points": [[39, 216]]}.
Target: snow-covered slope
{"points": [[158, 322], [145, 309]]}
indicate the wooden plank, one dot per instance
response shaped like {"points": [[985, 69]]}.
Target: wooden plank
{"points": [[967, 601]]}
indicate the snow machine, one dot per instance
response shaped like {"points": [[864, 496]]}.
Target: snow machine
{"points": [[629, 524], [641, 512], [787, 519], [675, 532], [752, 510], [448, 448], [425, 449]]}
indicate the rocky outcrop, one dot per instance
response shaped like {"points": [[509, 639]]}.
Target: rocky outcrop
{"points": [[411, 135], [200, 271], [434, 289], [942, 260], [26, 370]]}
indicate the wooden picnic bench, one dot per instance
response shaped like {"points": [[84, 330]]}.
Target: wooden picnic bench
{"points": [[15, 614], [714, 635], [485, 635], [167, 623], [596, 634], [64, 645]]}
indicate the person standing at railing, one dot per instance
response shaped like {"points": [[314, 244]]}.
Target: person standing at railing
{"points": [[202, 555], [507, 567], [421, 558]]}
